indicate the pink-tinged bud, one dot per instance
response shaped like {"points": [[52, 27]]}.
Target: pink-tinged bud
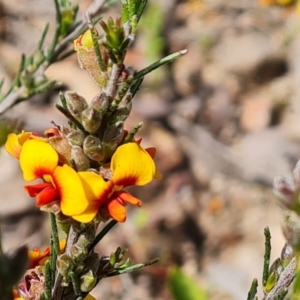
{"points": [[91, 119], [75, 138], [33, 285], [92, 147], [75, 103], [100, 103], [285, 190], [81, 161]]}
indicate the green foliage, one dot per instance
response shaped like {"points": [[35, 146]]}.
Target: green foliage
{"points": [[132, 11], [185, 288]]}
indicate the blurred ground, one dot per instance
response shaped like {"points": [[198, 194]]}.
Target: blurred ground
{"points": [[225, 120]]}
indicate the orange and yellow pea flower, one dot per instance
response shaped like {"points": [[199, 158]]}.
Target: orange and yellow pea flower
{"points": [[38, 159], [81, 195], [131, 165], [38, 257]]}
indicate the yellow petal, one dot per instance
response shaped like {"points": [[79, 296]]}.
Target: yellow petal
{"points": [[15, 142], [97, 192], [37, 159], [132, 165], [84, 40], [68, 183], [88, 215]]}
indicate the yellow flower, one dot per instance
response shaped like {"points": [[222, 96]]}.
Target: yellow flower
{"points": [[15, 142], [38, 159], [130, 165]]}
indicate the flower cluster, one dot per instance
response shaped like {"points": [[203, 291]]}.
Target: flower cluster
{"points": [[80, 171], [84, 194]]}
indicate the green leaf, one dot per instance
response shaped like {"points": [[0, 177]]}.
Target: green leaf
{"points": [[184, 287]]}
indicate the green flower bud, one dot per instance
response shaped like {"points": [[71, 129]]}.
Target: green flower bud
{"points": [[87, 281], [100, 103], [75, 103], [91, 119], [287, 255], [64, 264], [274, 274], [78, 253], [122, 113], [76, 138], [81, 161], [113, 136], [87, 236], [93, 148]]}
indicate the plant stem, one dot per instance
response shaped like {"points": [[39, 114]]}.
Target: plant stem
{"points": [[102, 233], [159, 63]]}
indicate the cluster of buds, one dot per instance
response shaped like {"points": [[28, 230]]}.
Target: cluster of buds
{"points": [[100, 129]]}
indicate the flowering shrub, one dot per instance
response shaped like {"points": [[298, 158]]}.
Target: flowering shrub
{"points": [[83, 169]]}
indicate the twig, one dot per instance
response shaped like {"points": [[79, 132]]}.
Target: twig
{"points": [[285, 279]]}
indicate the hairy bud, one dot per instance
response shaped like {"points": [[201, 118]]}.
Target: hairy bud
{"points": [[91, 119], [75, 103], [100, 103], [113, 137], [81, 161], [93, 148], [76, 138], [87, 281], [64, 264]]}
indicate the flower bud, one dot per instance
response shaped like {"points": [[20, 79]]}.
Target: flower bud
{"points": [[287, 255], [274, 274], [76, 138], [62, 147], [93, 148], [87, 58], [291, 231], [87, 281], [113, 136], [64, 264], [81, 161], [122, 113], [285, 190], [78, 253], [75, 103], [100, 103], [91, 119]]}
